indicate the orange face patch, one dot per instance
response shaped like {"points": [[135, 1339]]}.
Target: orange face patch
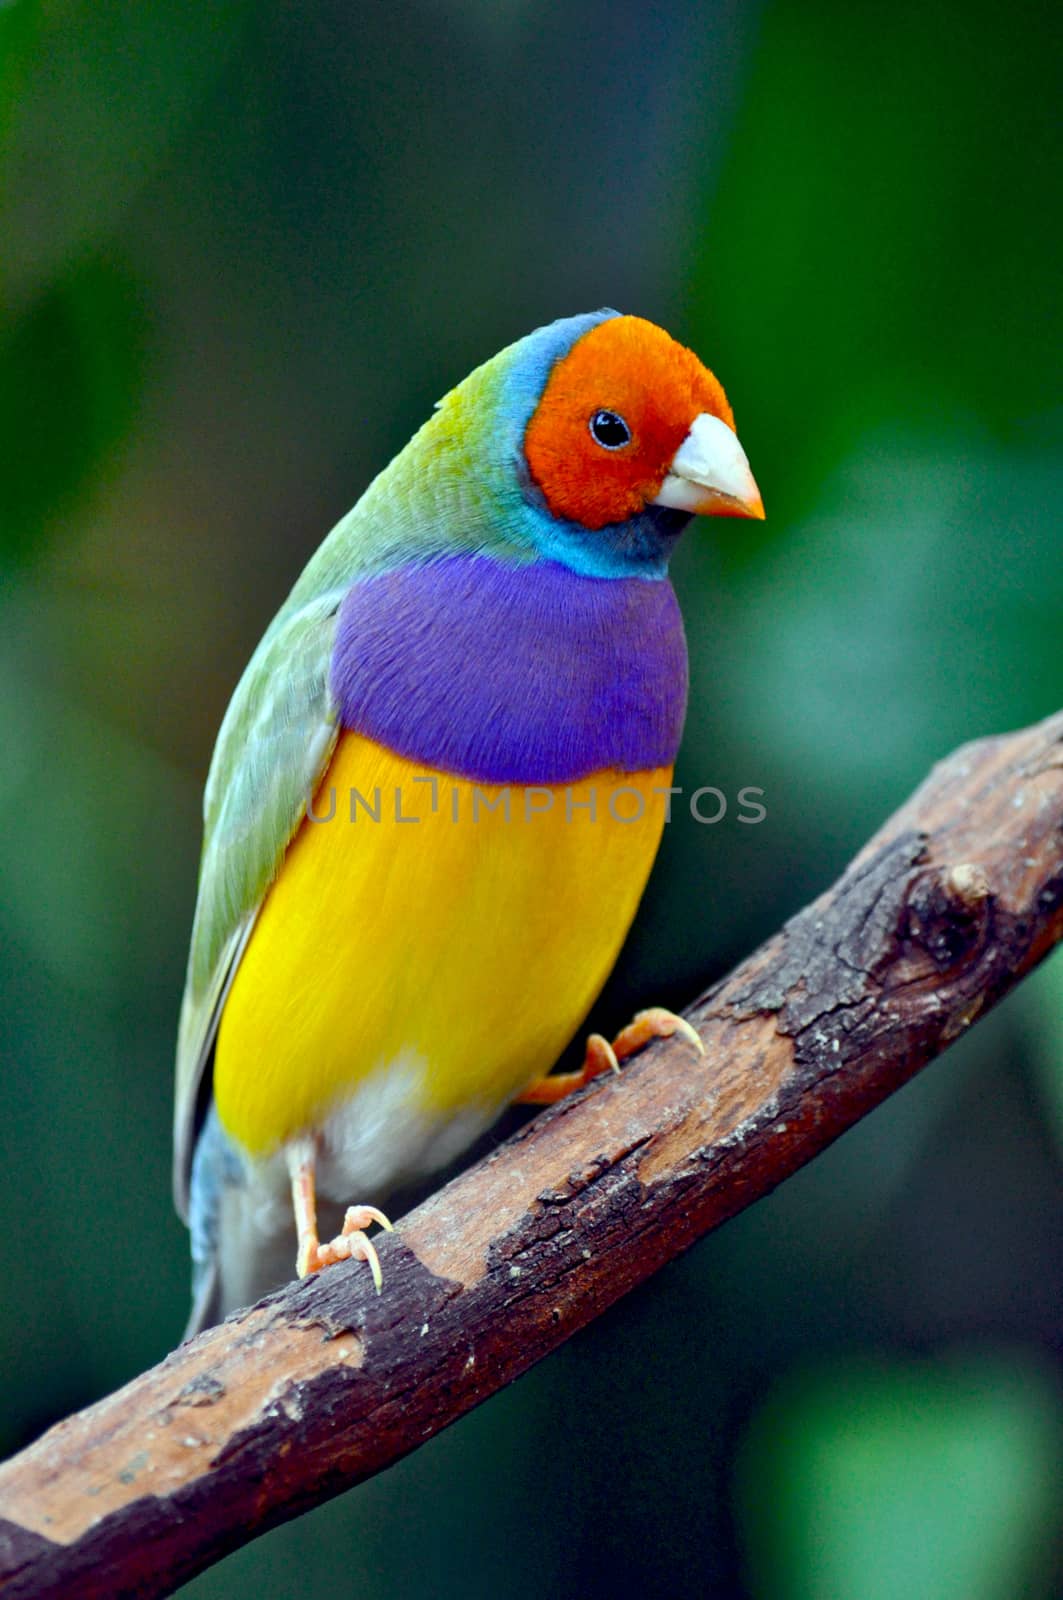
{"points": [[633, 369]]}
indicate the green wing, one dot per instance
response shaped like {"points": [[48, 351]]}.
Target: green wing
{"points": [[275, 743]]}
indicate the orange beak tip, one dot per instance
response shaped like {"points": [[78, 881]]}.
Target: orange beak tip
{"points": [[745, 510]]}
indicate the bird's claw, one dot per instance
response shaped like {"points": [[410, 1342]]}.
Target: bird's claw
{"points": [[654, 1023], [601, 1056], [352, 1243]]}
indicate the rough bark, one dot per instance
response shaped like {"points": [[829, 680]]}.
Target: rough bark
{"points": [[313, 1390]]}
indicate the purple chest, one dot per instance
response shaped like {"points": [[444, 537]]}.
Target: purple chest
{"points": [[507, 674]]}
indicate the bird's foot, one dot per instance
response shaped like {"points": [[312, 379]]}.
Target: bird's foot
{"points": [[601, 1056], [352, 1243]]}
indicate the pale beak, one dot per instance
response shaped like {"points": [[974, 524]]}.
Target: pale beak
{"points": [[710, 475]]}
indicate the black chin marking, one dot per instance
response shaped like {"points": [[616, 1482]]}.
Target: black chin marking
{"points": [[667, 522]]}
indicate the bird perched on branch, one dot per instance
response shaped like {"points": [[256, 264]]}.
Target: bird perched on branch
{"points": [[437, 794]]}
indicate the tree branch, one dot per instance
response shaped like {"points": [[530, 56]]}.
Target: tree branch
{"points": [[323, 1384]]}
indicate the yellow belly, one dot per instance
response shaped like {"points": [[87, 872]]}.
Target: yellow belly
{"points": [[469, 941]]}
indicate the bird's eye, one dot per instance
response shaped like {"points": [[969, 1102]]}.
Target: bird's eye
{"points": [[609, 430]]}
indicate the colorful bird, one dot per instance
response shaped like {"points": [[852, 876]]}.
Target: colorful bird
{"points": [[437, 794]]}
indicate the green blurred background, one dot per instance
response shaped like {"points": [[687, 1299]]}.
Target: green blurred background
{"points": [[243, 248]]}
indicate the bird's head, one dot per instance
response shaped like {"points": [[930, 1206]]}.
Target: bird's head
{"points": [[592, 442], [621, 436], [628, 419]]}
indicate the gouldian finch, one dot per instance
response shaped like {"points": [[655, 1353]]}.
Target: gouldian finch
{"points": [[437, 794]]}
